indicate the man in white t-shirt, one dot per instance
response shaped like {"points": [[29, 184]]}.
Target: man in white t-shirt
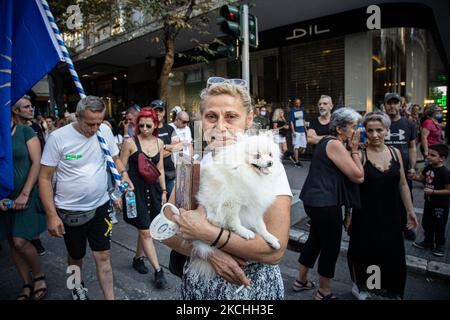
{"points": [[184, 134], [81, 186]]}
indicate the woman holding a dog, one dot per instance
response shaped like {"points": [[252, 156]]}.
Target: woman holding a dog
{"points": [[226, 110], [331, 183]]}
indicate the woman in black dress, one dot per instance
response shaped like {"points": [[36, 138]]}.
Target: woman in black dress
{"points": [[376, 231], [149, 197]]}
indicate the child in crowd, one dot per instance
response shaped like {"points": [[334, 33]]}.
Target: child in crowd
{"points": [[436, 178]]}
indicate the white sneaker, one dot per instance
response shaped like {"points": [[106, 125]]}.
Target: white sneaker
{"points": [[80, 293], [360, 294]]}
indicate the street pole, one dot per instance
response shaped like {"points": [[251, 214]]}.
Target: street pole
{"points": [[245, 57]]}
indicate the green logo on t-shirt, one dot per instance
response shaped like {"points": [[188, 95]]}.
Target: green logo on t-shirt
{"points": [[72, 156]]}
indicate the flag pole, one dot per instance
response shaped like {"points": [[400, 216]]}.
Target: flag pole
{"points": [[109, 160]]}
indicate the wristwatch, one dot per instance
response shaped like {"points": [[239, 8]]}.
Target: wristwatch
{"points": [[164, 147]]}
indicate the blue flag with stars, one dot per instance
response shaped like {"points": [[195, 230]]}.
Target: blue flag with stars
{"points": [[28, 51]]}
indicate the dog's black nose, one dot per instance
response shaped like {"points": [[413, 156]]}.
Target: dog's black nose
{"points": [[270, 163]]}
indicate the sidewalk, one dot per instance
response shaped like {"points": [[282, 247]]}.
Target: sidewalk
{"points": [[417, 260]]}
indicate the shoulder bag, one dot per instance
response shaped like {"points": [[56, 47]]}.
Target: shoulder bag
{"points": [[146, 168]]}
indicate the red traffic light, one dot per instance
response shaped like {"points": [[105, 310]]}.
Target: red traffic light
{"points": [[230, 13]]}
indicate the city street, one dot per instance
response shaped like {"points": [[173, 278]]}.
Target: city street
{"points": [[101, 90], [130, 285]]}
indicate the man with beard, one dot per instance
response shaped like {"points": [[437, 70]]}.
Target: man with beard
{"points": [[318, 127], [402, 135]]}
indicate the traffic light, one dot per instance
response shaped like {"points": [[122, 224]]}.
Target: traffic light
{"points": [[253, 40], [229, 26], [229, 21]]}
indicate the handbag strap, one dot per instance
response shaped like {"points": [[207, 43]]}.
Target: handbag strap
{"points": [[139, 148], [138, 144]]}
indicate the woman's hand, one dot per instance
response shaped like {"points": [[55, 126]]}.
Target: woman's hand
{"points": [[193, 224], [353, 142], [347, 222], [127, 179], [428, 191], [228, 267], [412, 221], [163, 198], [21, 202], [118, 204]]}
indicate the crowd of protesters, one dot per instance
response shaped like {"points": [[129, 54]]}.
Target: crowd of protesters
{"points": [[372, 181]]}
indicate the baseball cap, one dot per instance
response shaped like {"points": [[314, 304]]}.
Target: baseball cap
{"points": [[157, 104], [390, 96]]}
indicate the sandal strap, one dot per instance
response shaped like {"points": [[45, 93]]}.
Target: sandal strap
{"points": [[329, 296], [306, 284], [29, 286], [39, 279]]}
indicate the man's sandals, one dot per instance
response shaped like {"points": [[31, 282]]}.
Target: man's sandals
{"points": [[321, 296], [299, 286]]}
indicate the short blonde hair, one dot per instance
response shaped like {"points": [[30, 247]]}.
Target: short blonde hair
{"points": [[229, 89]]}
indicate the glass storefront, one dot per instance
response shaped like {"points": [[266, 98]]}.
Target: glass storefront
{"points": [[356, 70]]}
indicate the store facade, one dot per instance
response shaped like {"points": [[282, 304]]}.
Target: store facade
{"points": [[344, 55]]}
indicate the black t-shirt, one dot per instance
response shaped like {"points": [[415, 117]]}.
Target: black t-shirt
{"points": [[280, 123], [320, 129], [400, 134], [165, 134], [437, 179]]}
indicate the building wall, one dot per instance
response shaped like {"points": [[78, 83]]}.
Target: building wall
{"points": [[358, 71]]}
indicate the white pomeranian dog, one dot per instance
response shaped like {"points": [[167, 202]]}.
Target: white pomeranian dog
{"points": [[236, 189]]}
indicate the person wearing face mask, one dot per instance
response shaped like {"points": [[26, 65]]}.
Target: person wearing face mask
{"points": [[331, 183], [431, 129], [261, 120], [319, 127]]}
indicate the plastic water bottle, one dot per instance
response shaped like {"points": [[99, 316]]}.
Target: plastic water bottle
{"points": [[362, 133], [8, 203], [117, 192], [130, 199]]}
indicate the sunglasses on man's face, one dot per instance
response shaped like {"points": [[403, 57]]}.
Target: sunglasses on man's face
{"points": [[184, 121], [236, 82], [142, 125]]}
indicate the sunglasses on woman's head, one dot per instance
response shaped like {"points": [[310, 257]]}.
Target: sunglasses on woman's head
{"points": [[236, 82], [142, 125]]}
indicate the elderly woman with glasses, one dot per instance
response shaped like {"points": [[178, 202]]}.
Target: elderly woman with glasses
{"points": [[376, 229], [226, 110], [149, 197], [331, 183]]}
